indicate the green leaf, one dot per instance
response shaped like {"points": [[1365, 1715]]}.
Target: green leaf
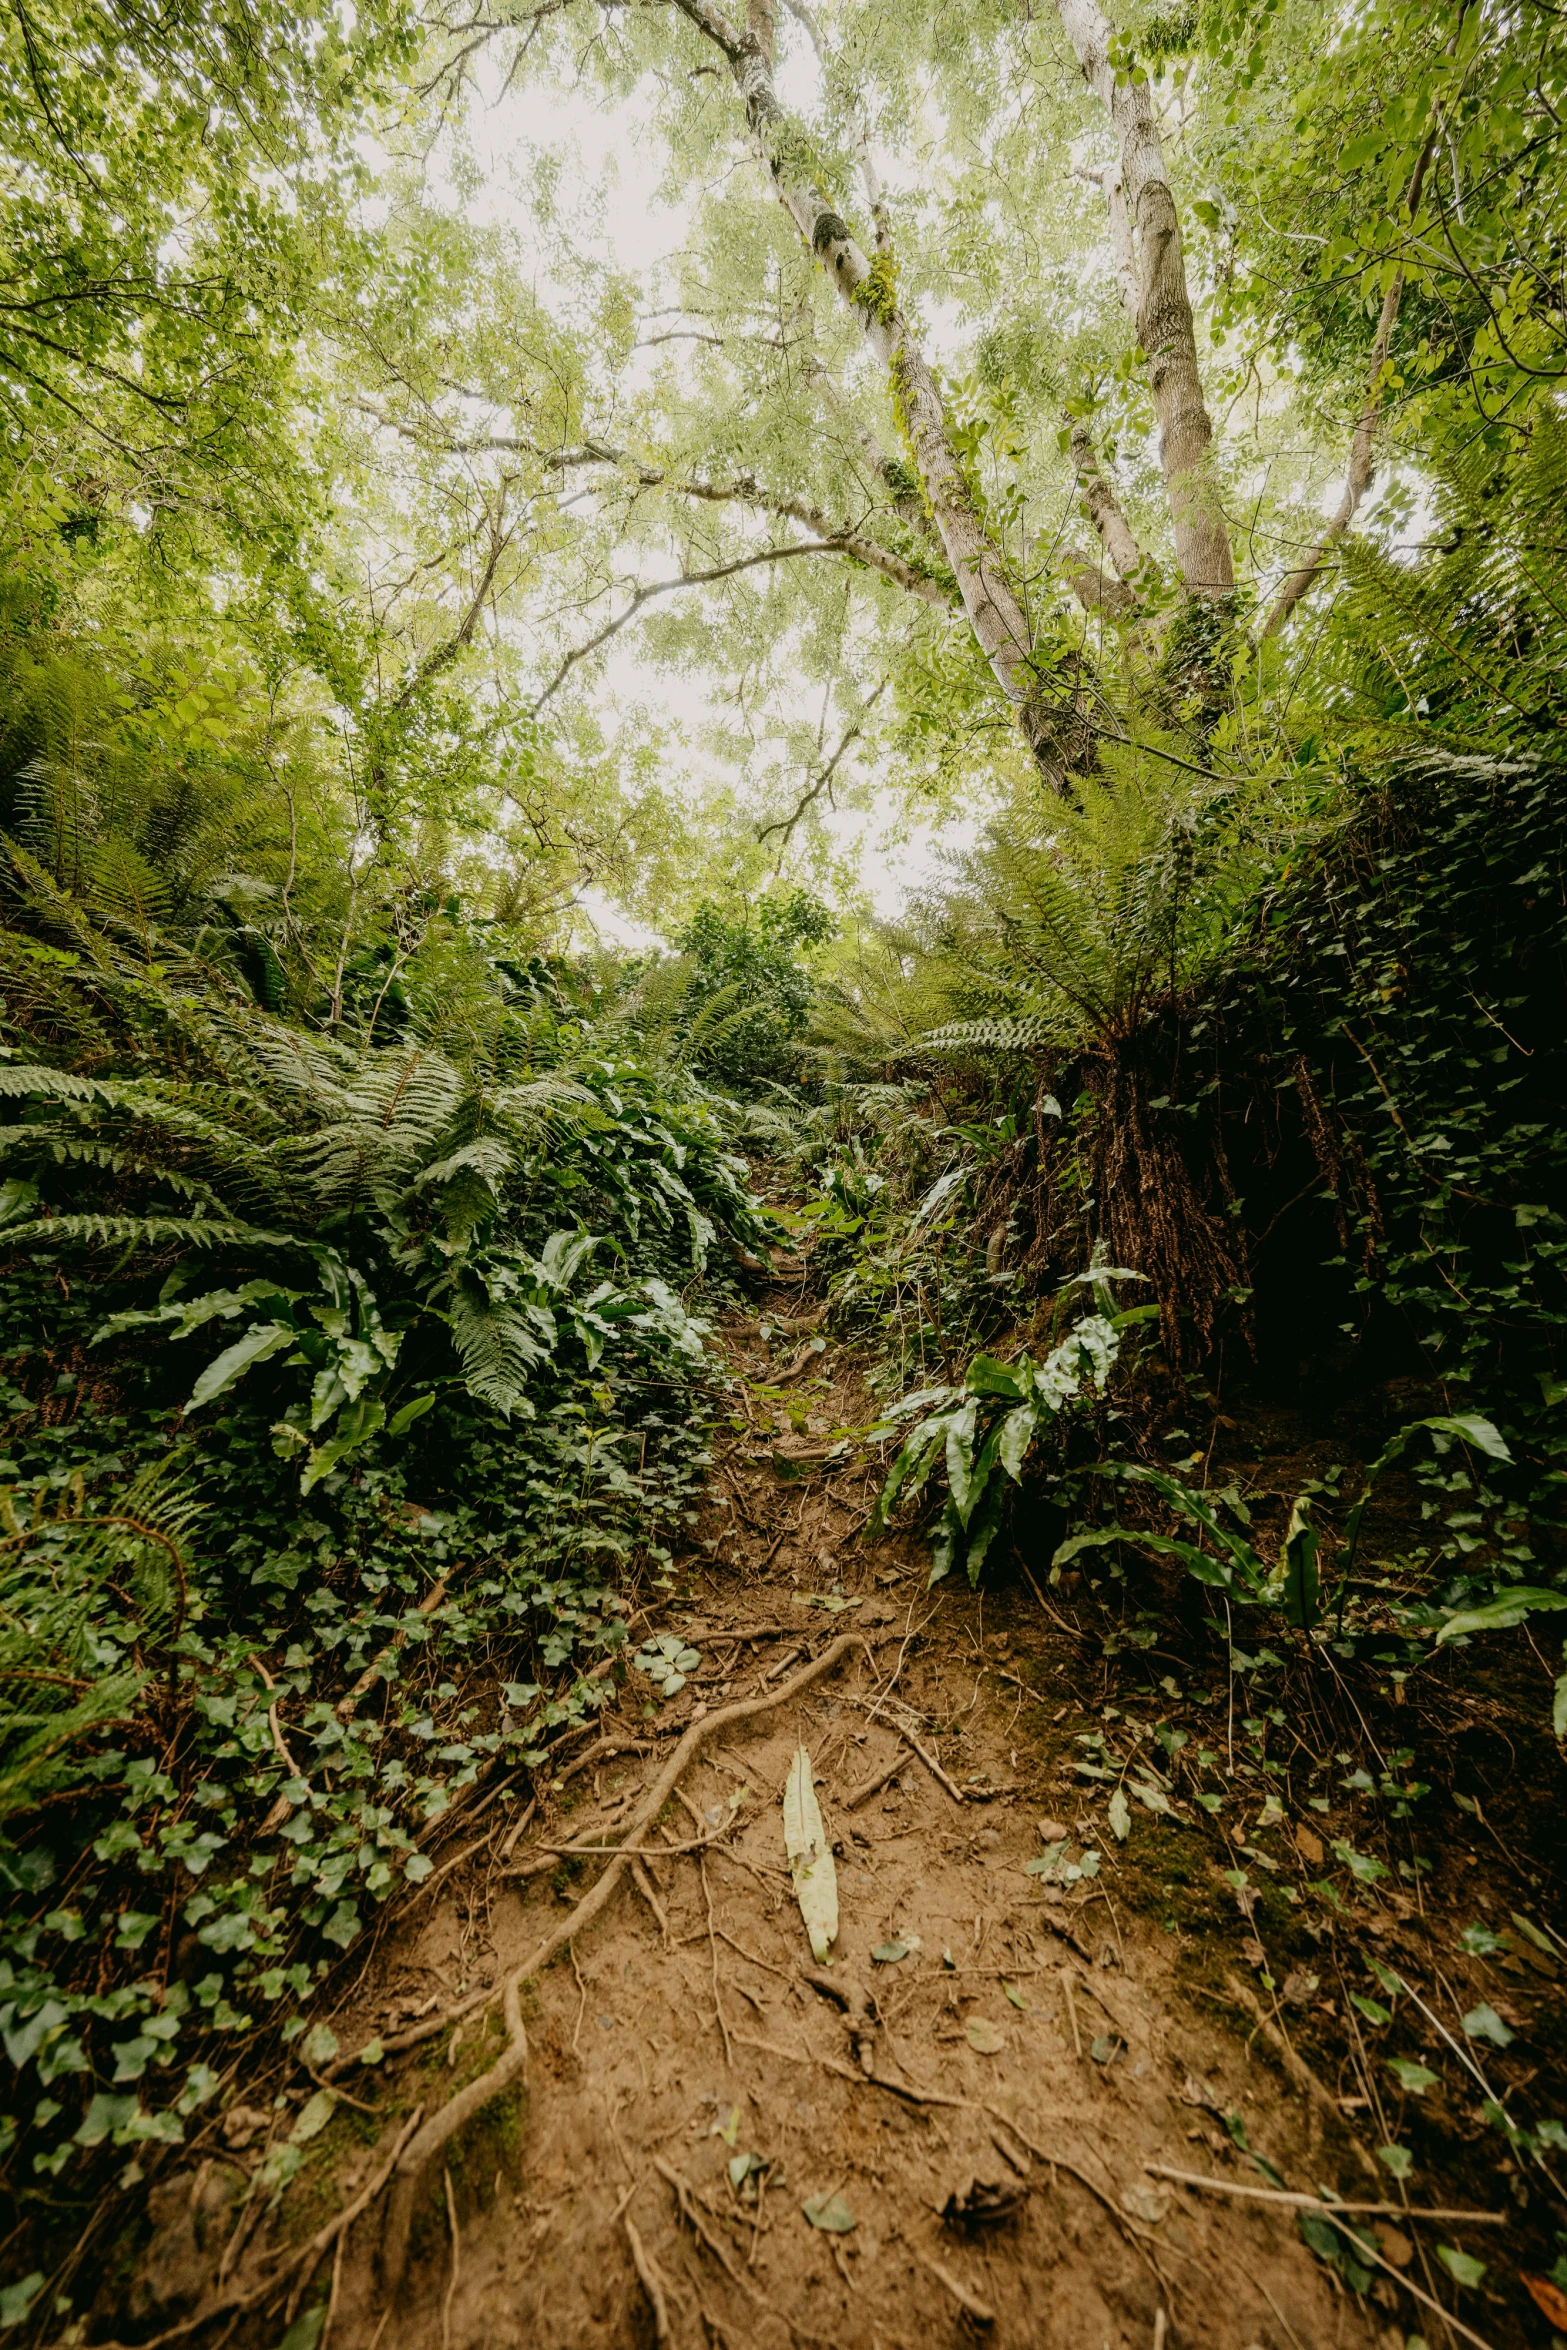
{"points": [[260, 1342], [1502, 1613], [1532, 1934], [830, 2213], [1462, 2267], [1416, 2078], [1120, 1817], [16, 2300], [1396, 2159], [401, 1421], [1363, 1866], [1483, 2023], [305, 2332], [313, 2117], [1017, 1434], [1301, 1579]]}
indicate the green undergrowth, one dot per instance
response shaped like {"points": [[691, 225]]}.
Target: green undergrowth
{"points": [[1364, 1863], [323, 1359]]}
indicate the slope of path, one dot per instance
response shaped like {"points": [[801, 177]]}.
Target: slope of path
{"points": [[1029, 2053]]}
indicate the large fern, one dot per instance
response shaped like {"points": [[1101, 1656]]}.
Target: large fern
{"points": [[1465, 641], [87, 1593], [1068, 925]]}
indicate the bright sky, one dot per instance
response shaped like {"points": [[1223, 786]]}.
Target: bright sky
{"points": [[610, 162]]}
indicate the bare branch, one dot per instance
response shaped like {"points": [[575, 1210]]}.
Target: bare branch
{"points": [[664, 587], [1362, 447], [822, 781], [445, 654]]}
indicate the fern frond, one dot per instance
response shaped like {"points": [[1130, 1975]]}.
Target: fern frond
{"points": [[152, 1232]]}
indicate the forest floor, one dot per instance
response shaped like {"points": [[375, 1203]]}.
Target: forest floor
{"points": [[971, 2125]]}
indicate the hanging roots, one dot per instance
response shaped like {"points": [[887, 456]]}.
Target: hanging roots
{"points": [[1150, 1212]]}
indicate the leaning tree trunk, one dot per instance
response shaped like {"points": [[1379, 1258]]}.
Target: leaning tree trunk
{"points": [[1162, 308], [1050, 709]]}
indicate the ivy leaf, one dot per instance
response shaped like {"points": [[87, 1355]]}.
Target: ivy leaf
{"points": [[1462, 2267]]}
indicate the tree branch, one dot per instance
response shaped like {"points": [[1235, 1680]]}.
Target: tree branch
{"points": [[743, 490], [1048, 708], [823, 779], [1105, 512], [1362, 447], [445, 654], [664, 587]]}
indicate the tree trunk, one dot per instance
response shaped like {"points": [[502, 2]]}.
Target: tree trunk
{"points": [[1163, 309], [1050, 711]]}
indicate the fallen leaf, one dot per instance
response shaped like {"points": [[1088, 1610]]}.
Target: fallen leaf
{"points": [[1053, 1832], [306, 2330], [889, 1953], [1298, 1987], [313, 2117], [983, 2036], [1532, 1933], [373, 2051], [1395, 2245], [810, 1858], [1309, 1847], [1549, 2299], [982, 2203], [1145, 2203], [241, 2124], [1195, 2091], [1154, 1798], [1120, 1816], [1104, 2048], [1252, 1951], [829, 2213], [728, 2130], [1016, 1997]]}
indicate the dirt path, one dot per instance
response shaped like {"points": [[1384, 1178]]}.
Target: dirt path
{"points": [[988, 2045]]}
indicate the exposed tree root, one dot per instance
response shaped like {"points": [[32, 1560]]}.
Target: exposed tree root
{"points": [[301, 2263], [443, 2125], [652, 2282]]}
